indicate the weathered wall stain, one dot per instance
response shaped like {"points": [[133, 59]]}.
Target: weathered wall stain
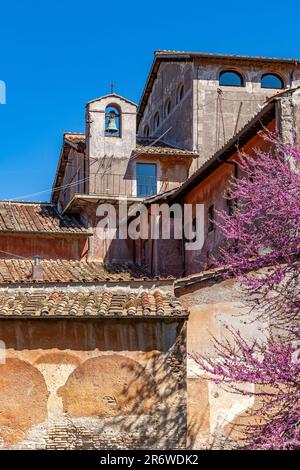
{"points": [[23, 399], [108, 386], [92, 384]]}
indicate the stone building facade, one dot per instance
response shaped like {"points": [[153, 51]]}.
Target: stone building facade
{"points": [[93, 323], [91, 367]]}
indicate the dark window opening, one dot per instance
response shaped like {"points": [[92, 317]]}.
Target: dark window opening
{"points": [[156, 120], [146, 131], [194, 227], [146, 179], [180, 93], [229, 205], [230, 78], [270, 80], [167, 108], [211, 218]]}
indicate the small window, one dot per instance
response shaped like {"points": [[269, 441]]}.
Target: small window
{"points": [[270, 80], [230, 78], [180, 93], [146, 180], [211, 218], [146, 131], [112, 121], [156, 120], [167, 107], [229, 205]]}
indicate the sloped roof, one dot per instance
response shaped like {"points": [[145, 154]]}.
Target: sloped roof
{"points": [[108, 303], [19, 271], [37, 217], [210, 55], [147, 146]]}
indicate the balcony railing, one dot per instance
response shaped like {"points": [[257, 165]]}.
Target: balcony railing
{"points": [[120, 185]]}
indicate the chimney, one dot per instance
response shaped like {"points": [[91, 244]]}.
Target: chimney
{"points": [[37, 271]]}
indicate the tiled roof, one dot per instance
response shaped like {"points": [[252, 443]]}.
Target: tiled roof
{"points": [[147, 147], [75, 137], [37, 217], [17, 271], [200, 277], [109, 303]]}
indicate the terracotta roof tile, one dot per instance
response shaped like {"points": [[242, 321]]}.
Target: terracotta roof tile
{"points": [[109, 303], [19, 271], [37, 217], [146, 146], [75, 137]]}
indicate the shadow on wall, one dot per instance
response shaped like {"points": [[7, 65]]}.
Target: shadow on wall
{"points": [[79, 399]]}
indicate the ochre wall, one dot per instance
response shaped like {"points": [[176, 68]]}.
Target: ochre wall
{"points": [[212, 410], [211, 192], [92, 384], [49, 247]]}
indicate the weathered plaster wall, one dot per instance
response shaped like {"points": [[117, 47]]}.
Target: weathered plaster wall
{"points": [[211, 192], [220, 111], [49, 247], [70, 384], [111, 152], [104, 243], [212, 409], [210, 113], [176, 128], [74, 178]]}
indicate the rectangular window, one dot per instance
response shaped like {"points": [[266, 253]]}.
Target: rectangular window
{"points": [[146, 179]]}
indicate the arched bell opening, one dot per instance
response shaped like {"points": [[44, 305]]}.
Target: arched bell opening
{"points": [[113, 121]]}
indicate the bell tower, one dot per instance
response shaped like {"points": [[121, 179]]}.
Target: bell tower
{"points": [[111, 127]]}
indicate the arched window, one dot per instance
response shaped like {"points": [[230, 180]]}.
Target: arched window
{"points": [[180, 93], [146, 131], [167, 107], [230, 78], [112, 121], [156, 120], [271, 80]]}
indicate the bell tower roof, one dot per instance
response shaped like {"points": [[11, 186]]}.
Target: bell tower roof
{"points": [[113, 96]]}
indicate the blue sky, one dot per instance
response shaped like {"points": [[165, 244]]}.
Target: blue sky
{"points": [[55, 56]]}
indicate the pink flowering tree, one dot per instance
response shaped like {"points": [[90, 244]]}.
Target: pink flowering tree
{"points": [[261, 247]]}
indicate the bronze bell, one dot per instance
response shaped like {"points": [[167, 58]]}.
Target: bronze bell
{"points": [[111, 125]]}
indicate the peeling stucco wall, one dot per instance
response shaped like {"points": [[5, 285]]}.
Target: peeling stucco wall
{"points": [[213, 410], [71, 384], [210, 114], [176, 128]]}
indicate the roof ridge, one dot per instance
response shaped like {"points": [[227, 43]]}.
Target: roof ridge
{"points": [[38, 203]]}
